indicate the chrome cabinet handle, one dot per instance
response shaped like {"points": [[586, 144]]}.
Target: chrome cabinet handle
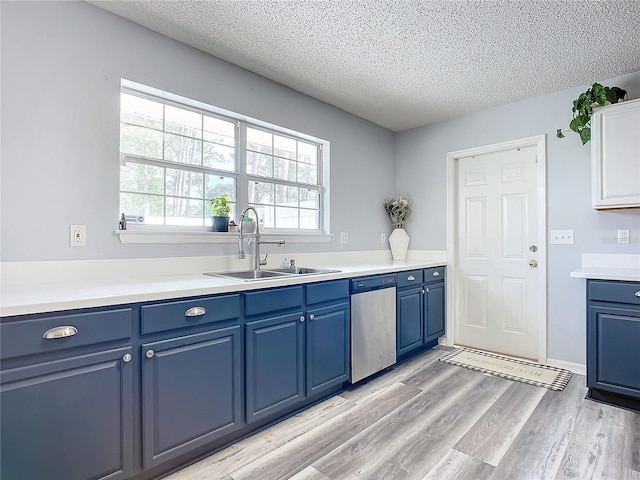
{"points": [[312, 316], [150, 353], [63, 331], [302, 318], [436, 274], [195, 312], [126, 358], [637, 294], [411, 278], [426, 290]]}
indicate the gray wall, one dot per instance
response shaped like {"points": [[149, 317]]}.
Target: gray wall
{"points": [[61, 68], [421, 170]]}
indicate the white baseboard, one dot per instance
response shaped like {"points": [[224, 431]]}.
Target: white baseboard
{"points": [[577, 368]]}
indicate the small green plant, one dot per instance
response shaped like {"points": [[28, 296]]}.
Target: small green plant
{"points": [[220, 205], [595, 96]]}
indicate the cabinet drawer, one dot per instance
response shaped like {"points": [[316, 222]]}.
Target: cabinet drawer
{"points": [[618, 292], [327, 291], [435, 274], [409, 278], [272, 300], [26, 337], [189, 313]]}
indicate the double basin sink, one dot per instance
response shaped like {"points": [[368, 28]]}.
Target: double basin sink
{"points": [[273, 273]]}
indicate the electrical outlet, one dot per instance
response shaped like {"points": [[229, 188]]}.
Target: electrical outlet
{"points": [[344, 237], [383, 238], [623, 236], [77, 235], [562, 237]]}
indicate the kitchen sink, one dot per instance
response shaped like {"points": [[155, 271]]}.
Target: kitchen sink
{"points": [[248, 275], [253, 275], [303, 270]]}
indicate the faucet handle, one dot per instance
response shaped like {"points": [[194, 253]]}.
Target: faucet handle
{"points": [[264, 262], [292, 263]]}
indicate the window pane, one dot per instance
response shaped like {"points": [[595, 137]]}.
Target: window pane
{"points": [[219, 157], [309, 198], [261, 192], [140, 141], [184, 211], [259, 141], [286, 217], [309, 219], [258, 164], [183, 183], [182, 150], [284, 147], [140, 111], [287, 196], [284, 169], [219, 131], [183, 122], [216, 185], [135, 177], [147, 206], [307, 153], [266, 216], [307, 174]]}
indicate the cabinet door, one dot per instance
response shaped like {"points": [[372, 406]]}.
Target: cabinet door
{"points": [[613, 354], [275, 364], [433, 311], [409, 320], [328, 347], [68, 419], [615, 156], [191, 392]]}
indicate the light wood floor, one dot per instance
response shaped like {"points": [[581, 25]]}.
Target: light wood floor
{"points": [[429, 420]]}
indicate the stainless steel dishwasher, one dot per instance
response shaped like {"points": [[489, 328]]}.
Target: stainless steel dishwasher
{"points": [[373, 325]]}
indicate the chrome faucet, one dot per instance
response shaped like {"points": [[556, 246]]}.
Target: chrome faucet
{"points": [[257, 261]]}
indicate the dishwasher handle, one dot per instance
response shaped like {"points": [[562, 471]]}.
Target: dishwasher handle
{"points": [[367, 284]]}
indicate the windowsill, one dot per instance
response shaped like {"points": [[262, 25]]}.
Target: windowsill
{"points": [[167, 236]]}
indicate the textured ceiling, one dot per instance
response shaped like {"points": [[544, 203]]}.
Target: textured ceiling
{"points": [[407, 63]]}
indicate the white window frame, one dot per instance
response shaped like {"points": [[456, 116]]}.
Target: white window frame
{"points": [[145, 233]]}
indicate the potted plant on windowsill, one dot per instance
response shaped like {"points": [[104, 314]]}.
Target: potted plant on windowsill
{"points": [[595, 96], [221, 208]]}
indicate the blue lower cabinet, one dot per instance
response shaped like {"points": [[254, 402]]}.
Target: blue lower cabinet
{"points": [[613, 354], [409, 319], [274, 364], [192, 392], [69, 419], [328, 347], [434, 308]]}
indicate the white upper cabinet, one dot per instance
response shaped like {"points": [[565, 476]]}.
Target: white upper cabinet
{"points": [[615, 155]]}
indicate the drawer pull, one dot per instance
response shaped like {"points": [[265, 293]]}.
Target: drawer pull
{"points": [[436, 274], [411, 278], [126, 358], [150, 354], [302, 318], [637, 294], [195, 312], [312, 316], [60, 332]]}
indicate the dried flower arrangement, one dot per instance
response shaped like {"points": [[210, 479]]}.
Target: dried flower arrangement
{"points": [[398, 209]]}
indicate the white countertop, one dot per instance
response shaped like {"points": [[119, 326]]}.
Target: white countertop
{"points": [[603, 273], [67, 295], [603, 266]]}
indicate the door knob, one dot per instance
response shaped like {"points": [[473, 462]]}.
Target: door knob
{"points": [[533, 263]]}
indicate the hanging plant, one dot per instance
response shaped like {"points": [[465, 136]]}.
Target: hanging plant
{"points": [[595, 96]]}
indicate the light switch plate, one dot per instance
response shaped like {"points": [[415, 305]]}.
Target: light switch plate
{"points": [[562, 237]]}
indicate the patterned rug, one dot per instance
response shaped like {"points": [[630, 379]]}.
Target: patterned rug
{"points": [[519, 370]]}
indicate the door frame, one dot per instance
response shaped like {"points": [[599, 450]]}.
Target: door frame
{"points": [[539, 141]]}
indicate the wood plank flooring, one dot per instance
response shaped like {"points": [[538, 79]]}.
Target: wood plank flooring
{"points": [[427, 420]]}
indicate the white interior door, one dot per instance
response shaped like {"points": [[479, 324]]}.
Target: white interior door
{"points": [[497, 289]]}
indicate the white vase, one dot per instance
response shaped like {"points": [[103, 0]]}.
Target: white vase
{"points": [[399, 242]]}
